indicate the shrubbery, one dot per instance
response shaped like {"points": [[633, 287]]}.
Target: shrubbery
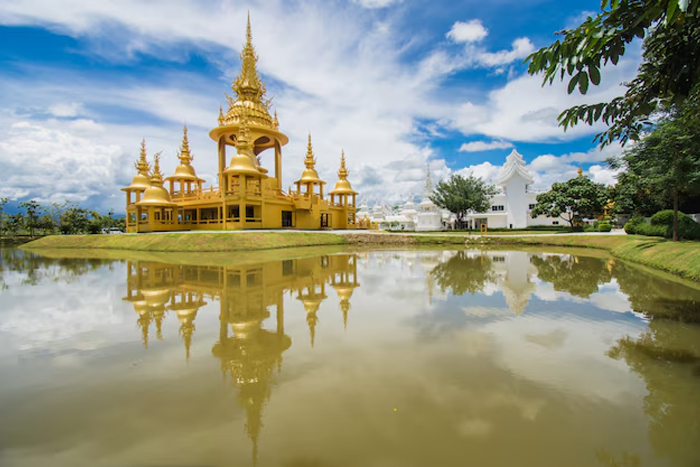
{"points": [[661, 225], [598, 227]]}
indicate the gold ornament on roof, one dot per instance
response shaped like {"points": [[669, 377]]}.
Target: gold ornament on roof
{"points": [[275, 122], [142, 179], [249, 89], [309, 175], [343, 186], [185, 171]]}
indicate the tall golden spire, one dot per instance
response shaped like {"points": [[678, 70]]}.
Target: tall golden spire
{"points": [[185, 155], [248, 84], [343, 172], [156, 174], [142, 165], [309, 160]]}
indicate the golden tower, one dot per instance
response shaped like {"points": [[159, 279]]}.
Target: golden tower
{"points": [[247, 195]]}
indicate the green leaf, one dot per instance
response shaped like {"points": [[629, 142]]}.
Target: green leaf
{"points": [[672, 8], [583, 82], [573, 82], [594, 74]]}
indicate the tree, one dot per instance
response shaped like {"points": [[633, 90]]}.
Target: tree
{"points": [[572, 200], [3, 202], [461, 195], [33, 209], [669, 158], [668, 75]]}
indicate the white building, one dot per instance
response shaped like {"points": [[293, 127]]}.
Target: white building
{"points": [[511, 208]]}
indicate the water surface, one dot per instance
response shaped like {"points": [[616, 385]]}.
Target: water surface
{"points": [[384, 358]]}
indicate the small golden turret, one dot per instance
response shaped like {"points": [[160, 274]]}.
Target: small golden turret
{"points": [[156, 195], [141, 180], [343, 187], [309, 175], [242, 163], [185, 171]]}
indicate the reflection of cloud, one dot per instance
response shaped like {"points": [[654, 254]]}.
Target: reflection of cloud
{"points": [[484, 312], [552, 340], [475, 428]]}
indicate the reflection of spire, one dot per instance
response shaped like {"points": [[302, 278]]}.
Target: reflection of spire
{"points": [[186, 330], [144, 322]]}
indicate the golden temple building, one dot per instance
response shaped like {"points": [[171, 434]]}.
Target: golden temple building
{"points": [[247, 196]]}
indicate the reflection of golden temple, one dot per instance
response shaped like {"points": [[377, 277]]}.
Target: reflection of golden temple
{"points": [[246, 196], [250, 355]]}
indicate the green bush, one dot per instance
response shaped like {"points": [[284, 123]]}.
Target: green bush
{"points": [[688, 229], [646, 228], [632, 225], [604, 227]]}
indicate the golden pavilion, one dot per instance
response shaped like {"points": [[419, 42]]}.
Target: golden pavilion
{"points": [[247, 196]]}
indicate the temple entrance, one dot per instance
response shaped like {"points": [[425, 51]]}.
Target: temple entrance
{"points": [[325, 219], [287, 219]]}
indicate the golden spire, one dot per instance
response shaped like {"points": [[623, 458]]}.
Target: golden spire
{"points": [[342, 186], [309, 160], [343, 172], [580, 171], [185, 155], [275, 122], [248, 84], [142, 165], [221, 119], [156, 174]]}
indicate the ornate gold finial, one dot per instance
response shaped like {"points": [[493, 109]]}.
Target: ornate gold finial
{"points": [[309, 160], [185, 155], [156, 174], [275, 122], [142, 165], [222, 120], [580, 171], [343, 172], [248, 84]]}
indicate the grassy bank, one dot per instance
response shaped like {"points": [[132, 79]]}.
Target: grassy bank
{"points": [[190, 242]]}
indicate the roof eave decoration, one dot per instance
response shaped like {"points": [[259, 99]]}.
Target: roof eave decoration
{"points": [[515, 165]]}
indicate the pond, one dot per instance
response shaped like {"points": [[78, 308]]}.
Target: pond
{"points": [[320, 357]]}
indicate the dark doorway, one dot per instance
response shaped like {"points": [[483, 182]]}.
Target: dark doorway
{"points": [[287, 219]]}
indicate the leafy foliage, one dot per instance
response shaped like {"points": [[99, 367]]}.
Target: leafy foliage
{"points": [[461, 195], [572, 200], [669, 73]]}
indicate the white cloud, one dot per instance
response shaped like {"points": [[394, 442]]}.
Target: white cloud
{"points": [[376, 3], [522, 47], [476, 146], [65, 110], [469, 32]]}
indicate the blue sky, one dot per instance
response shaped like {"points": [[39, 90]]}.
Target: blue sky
{"points": [[397, 84]]}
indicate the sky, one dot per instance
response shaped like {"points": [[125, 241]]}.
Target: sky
{"points": [[399, 85]]}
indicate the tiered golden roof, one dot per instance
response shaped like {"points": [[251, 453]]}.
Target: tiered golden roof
{"points": [[141, 180], [309, 175], [342, 186], [156, 195], [185, 171], [250, 90]]}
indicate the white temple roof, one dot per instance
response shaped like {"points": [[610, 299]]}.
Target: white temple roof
{"points": [[515, 165]]}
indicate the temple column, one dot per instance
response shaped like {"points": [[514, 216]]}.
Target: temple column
{"points": [[278, 164], [222, 164]]}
